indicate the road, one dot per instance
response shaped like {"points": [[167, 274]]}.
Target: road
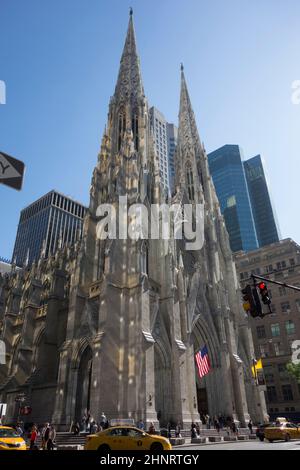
{"points": [[248, 445]]}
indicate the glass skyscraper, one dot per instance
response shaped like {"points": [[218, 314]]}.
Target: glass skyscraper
{"points": [[44, 223], [229, 178], [264, 216]]}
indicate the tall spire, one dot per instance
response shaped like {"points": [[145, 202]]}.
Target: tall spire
{"points": [[190, 150], [129, 83], [187, 131]]}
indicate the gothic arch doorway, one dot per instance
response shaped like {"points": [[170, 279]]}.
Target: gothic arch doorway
{"points": [[84, 378], [162, 384], [207, 393]]}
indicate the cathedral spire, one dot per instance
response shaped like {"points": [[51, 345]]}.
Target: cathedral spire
{"points": [[189, 149], [192, 169], [129, 81], [187, 123]]}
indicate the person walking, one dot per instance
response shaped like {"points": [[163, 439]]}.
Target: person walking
{"points": [[94, 427], [88, 423], [217, 424], [103, 421], [207, 420], [141, 425], [234, 428], [33, 437], [76, 429], [51, 438], [178, 430], [250, 426], [151, 429], [45, 435], [194, 433], [83, 423], [19, 430]]}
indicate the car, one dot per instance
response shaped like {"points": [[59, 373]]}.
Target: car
{"points": [[10, 439], [126, 438], [260, 431], [283, 430]]}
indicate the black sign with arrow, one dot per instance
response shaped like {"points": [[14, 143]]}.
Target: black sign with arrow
{"points": [[11, 171]]}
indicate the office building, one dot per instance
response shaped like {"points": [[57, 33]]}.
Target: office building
{"points": [[158, 124], [172, 135], [51, 220], [263, 212], [228, 175], [274, 334]]}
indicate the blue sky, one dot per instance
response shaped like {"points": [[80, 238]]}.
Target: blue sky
{"points": [[59, 60]]}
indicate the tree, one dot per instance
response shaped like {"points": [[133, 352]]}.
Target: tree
{"points": [[294, 370]]}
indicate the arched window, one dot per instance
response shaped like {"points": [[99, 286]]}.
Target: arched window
{"points": [[190, 182], [122, 127], [135, 130]]}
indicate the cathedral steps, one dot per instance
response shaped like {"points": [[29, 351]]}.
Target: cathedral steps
{"points": [[66, 440]]}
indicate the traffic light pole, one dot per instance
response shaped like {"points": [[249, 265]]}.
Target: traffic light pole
{"points": [[283, 284]]}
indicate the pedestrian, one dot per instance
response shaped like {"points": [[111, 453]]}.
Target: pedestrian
{"points": [[178, 430], [51, 438], [217, 424], [83, 423], [151, 428], [33, 437], [234, 428], [19, 430], [141, 425], [88, 423], [198, 429], [194, 433], [103, 421], [250, 426], [169, 430], [94, 427], [45, 435], [76, 429]]}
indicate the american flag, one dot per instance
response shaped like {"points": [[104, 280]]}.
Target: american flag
{"points": [[203, 362]]}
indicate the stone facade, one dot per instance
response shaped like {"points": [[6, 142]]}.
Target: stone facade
{"points": [[113, 325]]}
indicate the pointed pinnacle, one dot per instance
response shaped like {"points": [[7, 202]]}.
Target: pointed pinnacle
{"points": [[131, 11]]}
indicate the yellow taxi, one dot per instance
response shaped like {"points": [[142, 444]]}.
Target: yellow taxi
{"points": [[10, 439], [126, 438], [282, 430]]}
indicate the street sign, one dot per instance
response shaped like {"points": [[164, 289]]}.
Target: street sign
{"points": [[11, 171]]}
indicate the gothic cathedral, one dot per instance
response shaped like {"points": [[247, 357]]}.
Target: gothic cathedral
{"points": [[113, 325]]}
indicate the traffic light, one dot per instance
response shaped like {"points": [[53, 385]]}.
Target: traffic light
{"points": [[251, 301], [263, 290]]}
